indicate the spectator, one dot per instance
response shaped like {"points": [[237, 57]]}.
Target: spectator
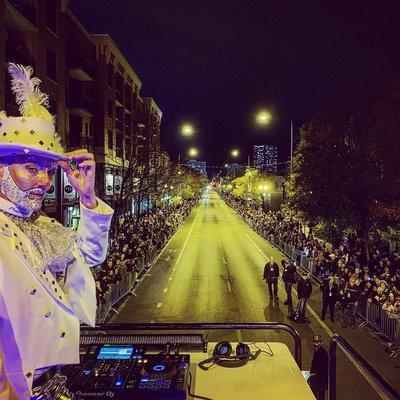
{"points": [[318, 379], [271, 275], [351, 296], [330, 292], [289, 278], [304, 290]]}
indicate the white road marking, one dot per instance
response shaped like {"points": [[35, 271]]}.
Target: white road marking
{"points": [[229, 286], [139, 281], [159, 305], [252, 241], [184, 245], [166, 290], [170, 278]]}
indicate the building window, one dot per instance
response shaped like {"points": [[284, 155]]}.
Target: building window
{"points": [[110, 140], [52, 64], [52, 15], [110, 108]]}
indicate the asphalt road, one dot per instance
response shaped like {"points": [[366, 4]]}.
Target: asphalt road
{"points": [[211, 271]]}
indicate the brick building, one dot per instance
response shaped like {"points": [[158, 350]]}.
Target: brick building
{"points": [[93, 90]]}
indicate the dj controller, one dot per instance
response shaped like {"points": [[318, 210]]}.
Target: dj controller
{"points": [[135, 367]]}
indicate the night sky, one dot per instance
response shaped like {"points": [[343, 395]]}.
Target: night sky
{"points": [[215, 62]]}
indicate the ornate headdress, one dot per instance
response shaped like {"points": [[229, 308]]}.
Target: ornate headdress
{"points": [[33, 133]]}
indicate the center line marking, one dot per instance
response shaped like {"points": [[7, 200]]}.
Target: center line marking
{"points": [[159, 305]]}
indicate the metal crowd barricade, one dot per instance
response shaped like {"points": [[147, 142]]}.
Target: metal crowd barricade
{"points": [[384, 323], [117, 291], [373, 314]]}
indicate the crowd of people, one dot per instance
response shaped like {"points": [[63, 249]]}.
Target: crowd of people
{"points": [[346, 267], [135, 241]]}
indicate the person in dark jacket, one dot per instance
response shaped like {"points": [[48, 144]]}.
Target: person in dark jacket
{"points": [[271, 274], [351, 296], [289, 278], [330, 292], [318, 379], [304, 290]]}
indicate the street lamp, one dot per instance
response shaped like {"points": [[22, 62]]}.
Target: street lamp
{"points": [[193, 152], [263, 117], [264, 188], [235, 153], [187, 129]]}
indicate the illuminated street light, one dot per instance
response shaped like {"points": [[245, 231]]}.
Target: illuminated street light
{"points": [[187, 130], [235, 153], [193, 152], [264, 187], [263, 117]]}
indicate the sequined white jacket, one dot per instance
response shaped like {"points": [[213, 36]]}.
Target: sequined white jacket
{"points": [[39, 321]]}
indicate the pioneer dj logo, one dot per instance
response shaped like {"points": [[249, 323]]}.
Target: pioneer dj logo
{"points": [[100, 395]]}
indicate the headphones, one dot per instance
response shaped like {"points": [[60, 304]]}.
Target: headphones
{"points": [[222, 356]]}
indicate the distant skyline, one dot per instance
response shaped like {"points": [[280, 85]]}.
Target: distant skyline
{"points": [[214, 63]]}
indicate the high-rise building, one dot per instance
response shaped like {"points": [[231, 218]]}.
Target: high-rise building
{"points": [[198, 166], [265, 157], [234, 168]]}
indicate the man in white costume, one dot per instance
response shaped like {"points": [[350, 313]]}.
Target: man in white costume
{"points": [[39, 316]]}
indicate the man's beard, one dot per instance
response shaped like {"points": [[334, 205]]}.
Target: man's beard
{"points": [[20, 198]]}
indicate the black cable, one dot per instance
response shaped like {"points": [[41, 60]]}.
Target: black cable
{"points": [[270, 352], [195, 396]]}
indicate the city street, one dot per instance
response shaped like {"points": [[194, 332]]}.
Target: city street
{"points": [[211, 271]]}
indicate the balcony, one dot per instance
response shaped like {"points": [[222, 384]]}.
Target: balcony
{"points": [[79, 105], [80, 65], [21, 15], [118, 98]]}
